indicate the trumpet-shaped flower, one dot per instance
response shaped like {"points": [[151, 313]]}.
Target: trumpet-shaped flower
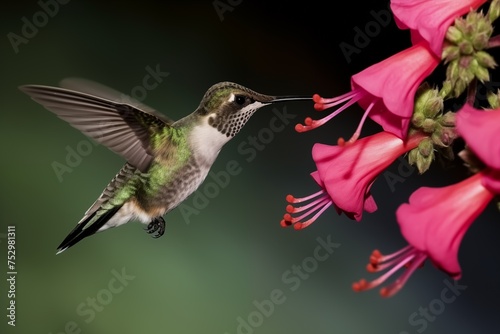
{"points": [[434, 224], [480, 129], [429, 20], [346, 174], [385, 91]]}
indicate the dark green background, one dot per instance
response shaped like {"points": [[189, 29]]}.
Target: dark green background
{"points": [[200, 277]]}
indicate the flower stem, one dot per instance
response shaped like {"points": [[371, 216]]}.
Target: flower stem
{"points": [[471, 92], [494, 41]]}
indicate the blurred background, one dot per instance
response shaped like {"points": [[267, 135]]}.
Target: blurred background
{"points": [[228, 267]]}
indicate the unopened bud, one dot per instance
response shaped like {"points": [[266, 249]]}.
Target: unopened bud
{"points": [[465, 47], [425, 147], [428, 125], [493, 99], [423, 163], [450, 53], [454, 35], [494, 10], [447, 119], [485, 59]]}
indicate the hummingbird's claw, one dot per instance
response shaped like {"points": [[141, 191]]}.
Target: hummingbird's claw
{"points": [[156, 227]]}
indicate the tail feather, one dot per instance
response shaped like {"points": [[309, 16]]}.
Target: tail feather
{"points": [[81, 230]]}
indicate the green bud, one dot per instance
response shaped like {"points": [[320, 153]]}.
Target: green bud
{"points": [[444, 136], [434, 107], [494, 10], [466, 69], [417, 119], [480, 41], [485, 60], [460, 24], [423, 163], [459, 87], [483, 25], [465, 47], [446, 89], [428, 125], [422, 94], [428, 102], [493, 99], [412, 156], [482, 74], [452, 71], [425, 147], [448, 119], [454, 35], [450, 52]]}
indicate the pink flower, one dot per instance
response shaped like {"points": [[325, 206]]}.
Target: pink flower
{"points": [[480, 130], [385, 90], [346, 174], [434, 224], [429, 19]]}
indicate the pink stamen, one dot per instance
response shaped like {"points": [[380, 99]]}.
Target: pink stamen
{"points": [[322, 104], [357, 133], [320, 202], [292, 199], [379, 262], [324, 205], [394, 287], [407, 257]]}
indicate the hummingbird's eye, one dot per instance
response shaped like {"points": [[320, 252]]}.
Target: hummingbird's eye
{"points": [[240, 99]]}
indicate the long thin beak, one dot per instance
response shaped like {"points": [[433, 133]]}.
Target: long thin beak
{"points": [[291, 98]]}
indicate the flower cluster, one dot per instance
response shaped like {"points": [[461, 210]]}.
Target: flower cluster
{"points": [[394, 93]]}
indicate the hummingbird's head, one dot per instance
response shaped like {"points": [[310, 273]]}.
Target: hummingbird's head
{"points": [[229, 106]]}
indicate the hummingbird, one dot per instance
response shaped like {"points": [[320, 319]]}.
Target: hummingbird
{"points": [[166, 160]]}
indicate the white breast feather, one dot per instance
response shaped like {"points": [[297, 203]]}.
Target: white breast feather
{"points": [[207, 140]]}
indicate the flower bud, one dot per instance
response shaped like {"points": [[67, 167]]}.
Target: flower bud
{"points": [[448, 119], [484, 59], [426, 147], [423, 163], [494, 10], [454, 35], [450, 52], [493, 99]]}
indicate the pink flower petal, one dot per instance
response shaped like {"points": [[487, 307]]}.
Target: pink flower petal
{"points": [[430, 19], [348, 172], [436, 219], [481, 131], [395, 81]]}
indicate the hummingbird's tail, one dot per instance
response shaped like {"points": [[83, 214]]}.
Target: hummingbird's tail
{"points": [[83, 229]]}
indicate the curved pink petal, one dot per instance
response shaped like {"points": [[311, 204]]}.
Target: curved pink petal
{"points": [[491, 180], [348, 172], [395, 81], [481, 131], [430, 19], [436, 219]]}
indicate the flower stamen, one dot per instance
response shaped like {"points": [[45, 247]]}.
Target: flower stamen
{"points": [[323, 103], [407, 257], [357, 133], [320, 201]]}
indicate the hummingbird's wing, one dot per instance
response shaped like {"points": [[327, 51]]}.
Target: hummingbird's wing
{"points": [[122, 127], [94, 88]]}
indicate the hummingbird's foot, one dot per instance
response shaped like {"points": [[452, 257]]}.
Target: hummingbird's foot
{"points": [[156, 227]]}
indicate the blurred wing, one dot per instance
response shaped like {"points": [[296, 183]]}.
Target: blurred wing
{"points": [[94, 88], [123, 128]]}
